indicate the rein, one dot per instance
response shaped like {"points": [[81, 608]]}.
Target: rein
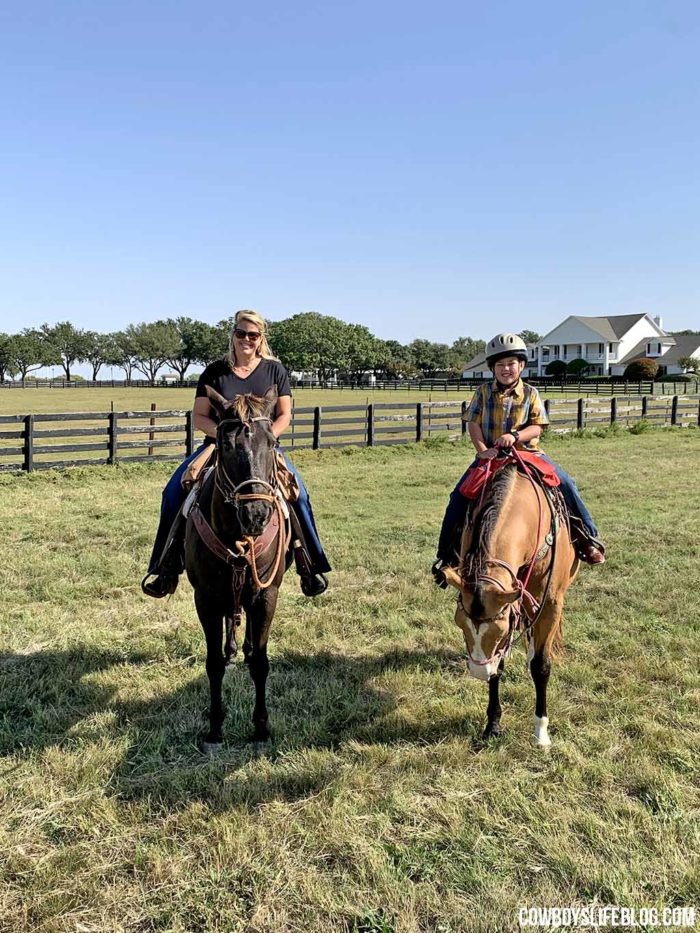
{"points": [[251, 547]]}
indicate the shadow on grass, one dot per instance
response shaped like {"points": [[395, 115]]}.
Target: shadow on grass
{"points": [[317, 703]]}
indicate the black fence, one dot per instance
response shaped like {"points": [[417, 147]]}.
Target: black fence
{"points": [[593, 386], [45, 441]]}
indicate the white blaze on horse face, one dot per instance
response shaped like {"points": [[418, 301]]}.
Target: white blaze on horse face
{"points": [[473, 638]]}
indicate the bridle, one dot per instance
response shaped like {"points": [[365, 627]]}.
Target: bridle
{"points": [[231, 494], [229, 489], [518, 616]]}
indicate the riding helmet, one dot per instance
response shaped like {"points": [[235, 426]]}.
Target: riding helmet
{"points": [[503, 345]]}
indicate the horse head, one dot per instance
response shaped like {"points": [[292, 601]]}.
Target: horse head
{"points": [[245, 447], [485, 615]]}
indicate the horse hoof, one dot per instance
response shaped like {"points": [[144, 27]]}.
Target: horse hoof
{"points": [[493, 731], [541, 737], [210, 749], [260, 734]]}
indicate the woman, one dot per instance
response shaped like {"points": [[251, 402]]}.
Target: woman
{"points": [[249, 367]]}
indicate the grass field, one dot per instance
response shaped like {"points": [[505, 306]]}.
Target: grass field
{"points": [[32, 401], [376, 807]]}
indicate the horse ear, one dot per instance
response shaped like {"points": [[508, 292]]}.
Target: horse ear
{"points": [[271, 399], [511, 597], [218, 401], [452, 577]]}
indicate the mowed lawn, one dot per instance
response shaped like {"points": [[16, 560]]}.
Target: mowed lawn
{"points": [[32, 401], [376, 807]]}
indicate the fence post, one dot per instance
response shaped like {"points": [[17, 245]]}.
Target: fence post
{"points": [[29, 443], [645, 405], [613, 410], [316, 442], [151, 435], [546, 407], [419, 422], [112, 455], [370, 425], [674, 410], [189, 434], [464, 419], [579, 414]]}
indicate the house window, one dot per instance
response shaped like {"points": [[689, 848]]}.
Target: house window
{"points": [[648, 350], [658, 348], [579, 350], [601, 349]]}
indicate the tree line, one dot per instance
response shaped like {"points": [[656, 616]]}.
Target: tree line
{"points": [[309, 343]]}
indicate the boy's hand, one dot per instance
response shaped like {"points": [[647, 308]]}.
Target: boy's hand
{"points": [[488, 454], [505, 440]]}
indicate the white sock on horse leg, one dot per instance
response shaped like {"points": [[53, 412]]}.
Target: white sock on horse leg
{"points": [[542, 739]]}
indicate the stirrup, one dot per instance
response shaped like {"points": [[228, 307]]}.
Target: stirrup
{"points": [[314, 584], [162, 584]]}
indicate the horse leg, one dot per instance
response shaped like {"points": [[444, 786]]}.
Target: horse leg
{"points": [[211, 622], [493, 711], [259, 620], [540, 660]]}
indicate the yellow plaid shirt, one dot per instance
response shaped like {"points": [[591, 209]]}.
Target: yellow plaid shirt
{"points": [[498, 411]]}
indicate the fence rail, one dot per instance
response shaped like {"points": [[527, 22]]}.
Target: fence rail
{"points": [[43, 441], [592, 386]]}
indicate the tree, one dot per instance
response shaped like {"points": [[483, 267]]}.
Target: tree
{"points": [[400, 361], [530, 336], [366, 353], [430, 356], [194, 341], [578, 367], [643, 368], [126, 356], [151, 346], [312, 342], [690, 364], [70, 344], [555, 368], [29, 350], [463, 350], [102, 350], [7, 365]]}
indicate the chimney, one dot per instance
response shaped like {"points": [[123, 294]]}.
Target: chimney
{"points": [[659, 321]]}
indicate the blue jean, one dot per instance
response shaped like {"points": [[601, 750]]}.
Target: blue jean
{"points": [[174, 495], [457, 508]]}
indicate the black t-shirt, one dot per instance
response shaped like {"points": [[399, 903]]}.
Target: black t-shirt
{"points": [[266, 375]]}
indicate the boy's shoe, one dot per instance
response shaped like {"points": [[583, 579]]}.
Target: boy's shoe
{"points": [[591, 553], [162, 584], [313, 584], [438, 572]]}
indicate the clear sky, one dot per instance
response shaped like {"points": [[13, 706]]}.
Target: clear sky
{"points": [[427, 169]]}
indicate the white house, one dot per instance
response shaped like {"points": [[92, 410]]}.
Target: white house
{"points": [[607, 344]]}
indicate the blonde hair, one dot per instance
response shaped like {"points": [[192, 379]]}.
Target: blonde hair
{"points": [[263, 348]]}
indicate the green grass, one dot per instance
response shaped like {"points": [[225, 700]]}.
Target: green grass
{"points": [[32, 401], [376, 807]]}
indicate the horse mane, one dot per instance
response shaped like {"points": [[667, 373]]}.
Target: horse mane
{"points": [[247, 406], [498, 492]]}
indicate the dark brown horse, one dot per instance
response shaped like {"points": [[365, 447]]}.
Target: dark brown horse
{"points": [[516, 564], [235, 550]]}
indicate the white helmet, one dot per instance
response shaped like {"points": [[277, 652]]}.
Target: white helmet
{"points": [[505, 345]]}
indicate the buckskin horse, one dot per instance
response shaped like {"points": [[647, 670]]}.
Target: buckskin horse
{"points": [[516, 564], [235, 551]]}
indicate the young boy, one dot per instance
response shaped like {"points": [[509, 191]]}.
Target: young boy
{"points": [[505, 413]]}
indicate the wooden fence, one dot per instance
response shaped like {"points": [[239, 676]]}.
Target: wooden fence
{"points": [[592, 386], [44, 441]]}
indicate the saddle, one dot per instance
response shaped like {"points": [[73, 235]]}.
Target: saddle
{"points": [[198, 469], [479, 475]]}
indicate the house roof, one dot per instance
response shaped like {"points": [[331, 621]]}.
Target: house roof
{"points": [[611, 328], [479, 360], [683, 345]]}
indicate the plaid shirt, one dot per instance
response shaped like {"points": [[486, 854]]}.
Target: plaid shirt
{"points": [[498, 411]]}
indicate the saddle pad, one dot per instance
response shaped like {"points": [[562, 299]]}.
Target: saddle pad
{"points": [[477, 476]]}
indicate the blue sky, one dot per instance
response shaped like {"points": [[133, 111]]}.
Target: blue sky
{"points": [[429, 170]]}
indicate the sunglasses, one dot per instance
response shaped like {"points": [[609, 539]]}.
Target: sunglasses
{"points": [[247, 334]]}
